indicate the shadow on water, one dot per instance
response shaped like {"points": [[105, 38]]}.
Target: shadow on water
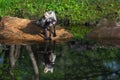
{"points": [[73, 60]]}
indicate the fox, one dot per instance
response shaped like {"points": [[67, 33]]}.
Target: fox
{"points": [[48, 20]]}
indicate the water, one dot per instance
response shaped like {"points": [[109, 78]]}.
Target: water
{"points": [[74, 61]]}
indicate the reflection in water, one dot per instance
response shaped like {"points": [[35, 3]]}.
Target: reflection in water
{"points": [[49, 58], [14, 53], [48, 55], [71, 61], [113, 65], [1, 60]]}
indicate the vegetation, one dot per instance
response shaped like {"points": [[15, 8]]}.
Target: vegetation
{"points": [[76, 64], [80, 60], [79, 32], [75, 11]]}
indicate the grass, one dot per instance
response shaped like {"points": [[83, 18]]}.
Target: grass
{"points": [[76, 11], [79, 32]]}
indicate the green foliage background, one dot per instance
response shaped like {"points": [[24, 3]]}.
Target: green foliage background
{"points": [[87, 64], [77, 11]]}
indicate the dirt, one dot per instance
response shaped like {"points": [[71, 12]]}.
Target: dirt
{"points": [[15, 30]]}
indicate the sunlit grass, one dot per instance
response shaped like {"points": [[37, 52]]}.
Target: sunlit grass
{"points": [[79, 32], [78, 11]]}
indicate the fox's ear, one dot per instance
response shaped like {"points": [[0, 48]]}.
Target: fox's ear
{"points": [[51, 70], [52, 57], [45, 71]]}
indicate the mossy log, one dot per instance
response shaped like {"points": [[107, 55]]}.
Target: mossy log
{"points": [[15, 30]]}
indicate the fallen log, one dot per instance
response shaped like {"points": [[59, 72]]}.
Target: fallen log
{"points": [[15, 30], [106, 33]]}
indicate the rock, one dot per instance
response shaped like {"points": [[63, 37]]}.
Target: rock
{"points": [[15, 30], [107, 32]]}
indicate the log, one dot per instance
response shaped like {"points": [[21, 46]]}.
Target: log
{"points": [[15, 30], [106, 33]]}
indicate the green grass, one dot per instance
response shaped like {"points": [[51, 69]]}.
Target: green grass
{"points": [[79, 32], [77, 11]]}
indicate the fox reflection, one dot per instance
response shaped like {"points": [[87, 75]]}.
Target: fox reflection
{"points": [[48, 63], [48, 56]]}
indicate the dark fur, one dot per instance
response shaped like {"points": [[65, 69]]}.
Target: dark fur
{"points": [[45, 25]]}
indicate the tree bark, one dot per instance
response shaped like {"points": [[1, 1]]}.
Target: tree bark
{"points": [[17, 51], [12, 57], [31, 54]]}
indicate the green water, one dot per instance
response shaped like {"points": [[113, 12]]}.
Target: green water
{"points": [[75, 60], [78, 59]]}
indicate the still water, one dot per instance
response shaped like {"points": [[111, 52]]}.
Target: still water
{"points": [[72, 60]]}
